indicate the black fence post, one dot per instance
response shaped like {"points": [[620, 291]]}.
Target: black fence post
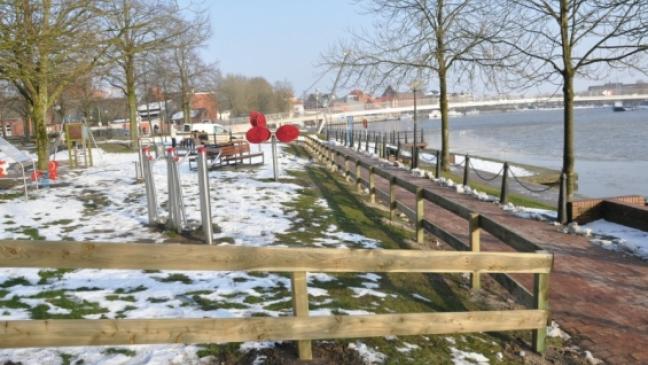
{"points": [[562, 200], [466, 170], [438, 164], [504, 190], [398, 150], [375, 135]]}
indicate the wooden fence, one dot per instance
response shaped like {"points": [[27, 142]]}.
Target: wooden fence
{"points": [[297, 261], [350, 168]]}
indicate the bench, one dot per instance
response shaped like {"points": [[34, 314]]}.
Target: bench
{"points": [[233, 153], [236, 153]]}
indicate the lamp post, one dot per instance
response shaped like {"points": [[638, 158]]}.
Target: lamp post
{"points": [[414, 158]]}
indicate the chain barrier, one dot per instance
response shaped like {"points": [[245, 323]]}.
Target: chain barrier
{"points": [[527, 187], [482, 177]]}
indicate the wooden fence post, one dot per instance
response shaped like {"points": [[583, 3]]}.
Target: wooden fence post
{"points": [[358, 180], [372, 185], [420, 215], [541, 301], [392, 198], [346, 168], [300, 309], [474, 232]]}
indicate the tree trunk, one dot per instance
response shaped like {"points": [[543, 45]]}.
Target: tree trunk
{"points": [[568, 143], [129, 71], [39, 117], [443, 106]]}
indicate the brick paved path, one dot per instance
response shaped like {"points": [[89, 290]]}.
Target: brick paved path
{"points": [[600, 297]]}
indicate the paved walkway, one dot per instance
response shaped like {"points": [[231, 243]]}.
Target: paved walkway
{"points": [[599, 297]]}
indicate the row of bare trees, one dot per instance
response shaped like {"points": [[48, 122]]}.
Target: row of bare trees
{"points": [[46, 46], [504, 43]]}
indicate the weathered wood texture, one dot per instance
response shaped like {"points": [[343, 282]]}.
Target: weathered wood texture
{"points": [[63, 332], [300, 307], [142, 256]]}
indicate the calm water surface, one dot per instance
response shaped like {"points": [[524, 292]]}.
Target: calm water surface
{"points": [[611, 148]]}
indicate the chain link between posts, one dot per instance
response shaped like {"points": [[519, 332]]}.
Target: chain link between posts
{"points": [[482, 177], [528, 188]]}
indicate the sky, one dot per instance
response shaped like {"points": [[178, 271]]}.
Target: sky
{"points": [[282, 40]]}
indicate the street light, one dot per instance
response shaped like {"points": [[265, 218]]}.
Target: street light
{"points": [[414, 159]]}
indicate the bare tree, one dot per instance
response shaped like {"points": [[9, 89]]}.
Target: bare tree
{"points": [[565, 39], [420, 40], [140, 27], [189, 67], [44, 46]]}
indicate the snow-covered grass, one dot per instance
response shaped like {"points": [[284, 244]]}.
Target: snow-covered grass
{"points": [[104, 203], [617, 237]]}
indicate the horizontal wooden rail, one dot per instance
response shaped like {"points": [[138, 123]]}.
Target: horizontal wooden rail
{"points": [[143, 256], [63, 332], [508, 235]]}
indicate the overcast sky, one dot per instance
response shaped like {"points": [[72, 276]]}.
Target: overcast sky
{"points": [[282, 40]]}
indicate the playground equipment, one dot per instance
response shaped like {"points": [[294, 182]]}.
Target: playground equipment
{"points": [[77, 138], [177, 217], [205, 202], [149, 183], [13, 164], [259, 133]]}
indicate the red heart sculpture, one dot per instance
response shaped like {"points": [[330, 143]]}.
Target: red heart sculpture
{"points": [[257, 134], [287, 133], [257, 119], [253, 118]]}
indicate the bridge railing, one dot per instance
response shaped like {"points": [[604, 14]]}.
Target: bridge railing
{"points": [[296, 261]]}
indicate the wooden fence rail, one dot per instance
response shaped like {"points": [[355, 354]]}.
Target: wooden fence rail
{"points": [[477, 222], [301, 327]]}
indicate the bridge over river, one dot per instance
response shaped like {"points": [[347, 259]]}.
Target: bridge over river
{"points": [[240, 125]]}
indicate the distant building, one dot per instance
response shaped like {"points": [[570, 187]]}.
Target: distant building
{"points": [[617, 88], [317, 101]]}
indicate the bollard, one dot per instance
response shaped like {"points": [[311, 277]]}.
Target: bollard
{"points": [[149, 184], [504, 190], [466, 170], [205, 202]]}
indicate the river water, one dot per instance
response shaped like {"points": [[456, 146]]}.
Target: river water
{"points": [[611, 147]]}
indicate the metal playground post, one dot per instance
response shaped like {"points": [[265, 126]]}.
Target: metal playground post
{"points": [[203, 188], [177, 219], [149, 183]]}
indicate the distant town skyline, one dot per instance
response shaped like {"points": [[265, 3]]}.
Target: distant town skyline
{"points": [[283, 40]]}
